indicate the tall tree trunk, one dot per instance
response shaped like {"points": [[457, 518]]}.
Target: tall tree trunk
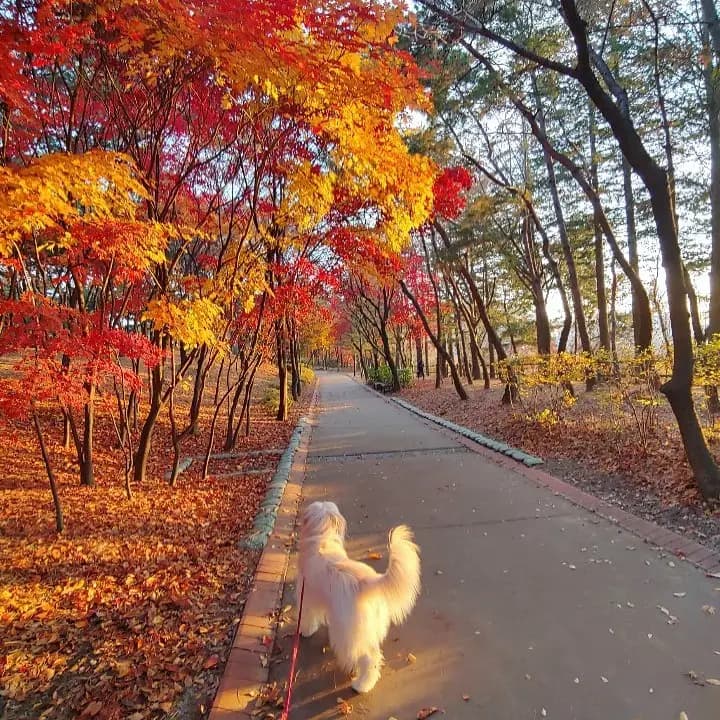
{"points": [[87, 465], [695, 321], [457, 382], [463, 350], [678, 389], [426, 345], [198, 388], [451, 290], [142, 452], [475, 355], [613, 318], [632, 245], [661, 320], [296, 382], [542, 322], [511, 388], [419, 357], [387, 352], [281, 359], [710, 29], [575, 293], [491, 359], [230, 426], [438, 316], [59, 520], [603, 327]]}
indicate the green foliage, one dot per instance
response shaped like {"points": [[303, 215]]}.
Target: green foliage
{"points": [[380, 374], [707, 362], [406, 377], [271, 399], [383, 375]]}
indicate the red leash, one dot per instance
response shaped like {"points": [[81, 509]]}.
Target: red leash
{"points": [[293, 662]]}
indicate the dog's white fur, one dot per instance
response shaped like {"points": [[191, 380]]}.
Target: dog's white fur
{"points": [[356, 603]]}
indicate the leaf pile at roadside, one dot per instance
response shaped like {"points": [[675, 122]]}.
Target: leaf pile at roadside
{"points": [[128, 614], [600, 436]]}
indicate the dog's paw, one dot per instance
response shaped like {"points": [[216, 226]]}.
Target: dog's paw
{"points": [[365, 684]]}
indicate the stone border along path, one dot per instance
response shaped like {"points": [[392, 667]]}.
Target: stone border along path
{"points": [[187, 462], [248, 664], [699, 555]]}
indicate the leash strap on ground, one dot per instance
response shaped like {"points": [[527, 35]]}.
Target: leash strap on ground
{"points": [[293, 662]]}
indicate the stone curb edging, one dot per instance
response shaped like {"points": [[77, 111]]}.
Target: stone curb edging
{"points": [[248, 664], [484, 440], [265, 519], [684, 548]]}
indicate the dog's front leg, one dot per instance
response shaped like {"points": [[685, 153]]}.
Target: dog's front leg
{"points": [[368, 671], [310, 621]]}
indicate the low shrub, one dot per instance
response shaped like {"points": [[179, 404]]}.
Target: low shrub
{"points": [[383, 375], [271, 399], [307, 375]]}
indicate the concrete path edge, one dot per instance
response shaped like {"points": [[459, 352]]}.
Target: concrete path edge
{"points": [[693, 552], [248, 664]]}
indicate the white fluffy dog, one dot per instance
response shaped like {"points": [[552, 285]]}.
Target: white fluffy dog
{"points": [[356, 603]]}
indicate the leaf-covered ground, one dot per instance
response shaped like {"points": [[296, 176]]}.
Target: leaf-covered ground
{"points": [[597, 444], [130, 612]]}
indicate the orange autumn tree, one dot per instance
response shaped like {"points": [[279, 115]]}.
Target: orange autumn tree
{"points": [[71, 245], [294, 104]]}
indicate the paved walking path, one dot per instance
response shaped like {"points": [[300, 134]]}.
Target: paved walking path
{"points": [[531, 607]]}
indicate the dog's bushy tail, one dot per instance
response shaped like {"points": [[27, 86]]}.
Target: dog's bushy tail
{"points": [[400, 584]]}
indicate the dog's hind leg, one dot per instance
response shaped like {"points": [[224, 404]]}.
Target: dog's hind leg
{"points": [[368, 671]]}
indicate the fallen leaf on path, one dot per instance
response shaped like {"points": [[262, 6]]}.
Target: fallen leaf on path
{"points": [[211, 662], [683, 716], [694, 677], [344, 707], [680, 594], [123, 668], [411, 658], [672, 620], [604, 679], [709, 609], [92, 709], [427, 712], [713, 681], [713, 575]]}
